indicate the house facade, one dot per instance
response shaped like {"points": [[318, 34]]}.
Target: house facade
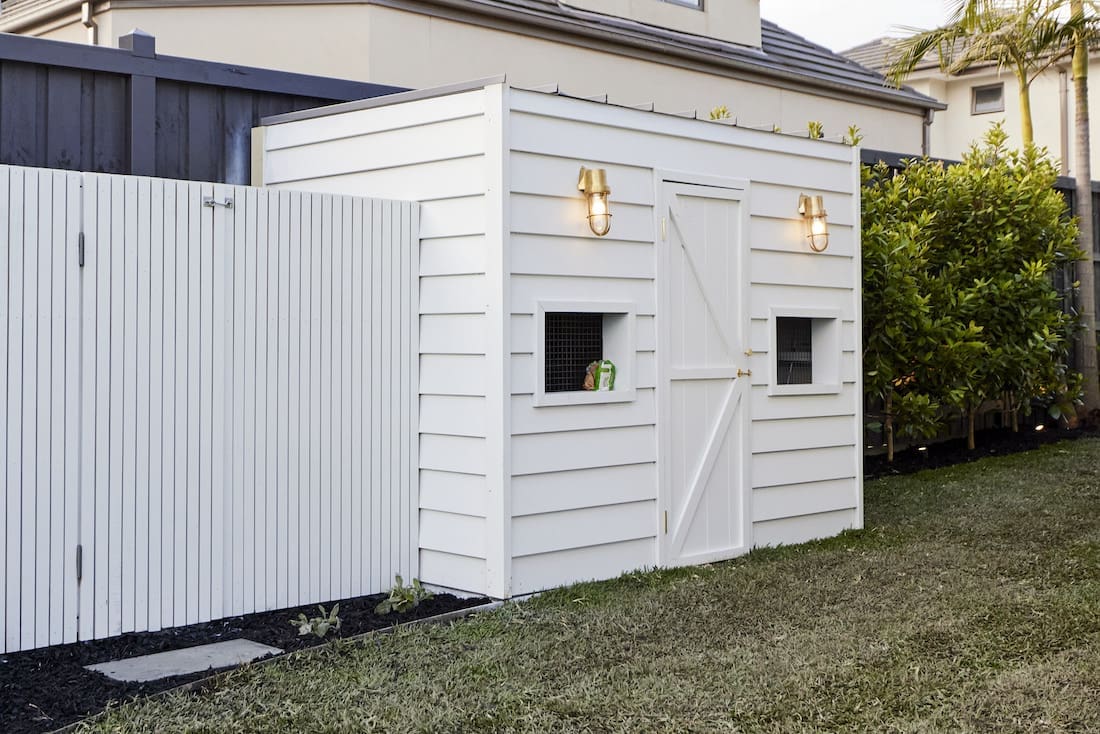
{"points": [[677, 56], [984, 95]]}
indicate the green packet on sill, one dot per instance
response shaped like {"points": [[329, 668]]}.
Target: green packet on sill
{"points": [[600, 376]]}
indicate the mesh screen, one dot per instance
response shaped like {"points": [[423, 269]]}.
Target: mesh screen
{"points": [[794, 351], [573, 340]]}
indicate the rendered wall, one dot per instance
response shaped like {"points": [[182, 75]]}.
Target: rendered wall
{"points": [[737, 21], [955, 128]]}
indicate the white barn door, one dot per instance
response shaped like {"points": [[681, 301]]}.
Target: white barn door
{"points": [[703, 424]]}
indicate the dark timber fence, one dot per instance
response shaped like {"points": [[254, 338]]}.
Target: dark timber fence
{"points": [[128, 110]]}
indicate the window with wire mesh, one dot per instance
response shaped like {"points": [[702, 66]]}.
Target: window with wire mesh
{"points": [[573, 341], [794, 351]]}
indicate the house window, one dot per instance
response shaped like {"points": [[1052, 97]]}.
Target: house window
{"points": [[697, 4], [986, 99], [805, 351], [571, 335], [573, 341], [794, 353]]}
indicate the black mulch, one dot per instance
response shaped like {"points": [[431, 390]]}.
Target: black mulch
{"points": [[995, 442], [42, 690]]}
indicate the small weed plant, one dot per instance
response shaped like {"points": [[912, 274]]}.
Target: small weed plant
{"points": [[403, 598], [318, 626]]}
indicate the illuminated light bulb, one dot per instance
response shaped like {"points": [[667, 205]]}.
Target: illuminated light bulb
{"points": [[593, 182]]}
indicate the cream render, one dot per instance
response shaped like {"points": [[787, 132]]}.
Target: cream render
{"points": [[372, 41], [956, 128], [730, 20]]}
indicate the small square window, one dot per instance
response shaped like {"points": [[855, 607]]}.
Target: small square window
{"points": [[794, 351], [571, 335], [987, 99], [805, 351], [573, 341]]}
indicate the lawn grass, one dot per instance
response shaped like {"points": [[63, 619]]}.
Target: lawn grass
{"points": [[970, 603]]}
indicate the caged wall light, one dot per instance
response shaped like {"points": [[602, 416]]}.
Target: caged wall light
{"points": [[812, 209], [593, 182]]}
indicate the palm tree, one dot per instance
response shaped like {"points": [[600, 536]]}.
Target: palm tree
{"points": [[1025, 37], [1082, 169], [1028, 37]]}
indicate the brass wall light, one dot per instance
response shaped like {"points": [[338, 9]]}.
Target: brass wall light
{"points": [[812, 209], [593, 182]]}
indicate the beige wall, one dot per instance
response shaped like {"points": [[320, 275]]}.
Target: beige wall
{"points": [[378, 44], [288, 37], [729, 20], [955, 129]]}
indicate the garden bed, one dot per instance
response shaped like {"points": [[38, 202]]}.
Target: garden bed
{"points": [[42, 690], [993, 442]]}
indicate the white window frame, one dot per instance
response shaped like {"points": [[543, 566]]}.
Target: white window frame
{"points": [[620, 346], [826, 351], [981, 88]]}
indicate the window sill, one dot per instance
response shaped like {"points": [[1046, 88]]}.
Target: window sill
{"points": [[780, 390], [584, 397]]}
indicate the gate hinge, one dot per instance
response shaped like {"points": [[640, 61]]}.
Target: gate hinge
{"points": [[664, 228], [210, 201], [79, 562], [666, 522], [80, 249]]}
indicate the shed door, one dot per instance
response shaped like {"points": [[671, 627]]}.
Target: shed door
{"points": [[703, 424]]}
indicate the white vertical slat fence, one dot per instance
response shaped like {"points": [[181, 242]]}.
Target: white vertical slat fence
{"points": [[217, 408]]}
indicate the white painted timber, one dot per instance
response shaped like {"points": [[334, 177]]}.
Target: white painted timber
{"points": [[448, 154], [187, 411], [39, 406], [503, 230]]}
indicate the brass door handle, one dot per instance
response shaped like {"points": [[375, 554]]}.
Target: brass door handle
{"points": [[744, 373]]}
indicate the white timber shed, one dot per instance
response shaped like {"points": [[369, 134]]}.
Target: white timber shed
{"points": [[735, 417]]}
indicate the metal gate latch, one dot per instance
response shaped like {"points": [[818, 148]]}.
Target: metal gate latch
{"points": [[212, 202], [744, 373]]}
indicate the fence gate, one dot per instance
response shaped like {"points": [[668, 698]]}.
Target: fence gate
{"points": [[208, 405]]}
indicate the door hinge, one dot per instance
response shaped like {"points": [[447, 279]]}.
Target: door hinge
{"points": [[666, 522], [80, 249], [79, 562]]}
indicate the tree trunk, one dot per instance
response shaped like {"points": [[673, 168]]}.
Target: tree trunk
{"points": [[1027, 130], [888, 424], [1086, 345], [971, 415]]}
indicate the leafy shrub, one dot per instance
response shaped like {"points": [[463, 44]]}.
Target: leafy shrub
{"points": [[318, 626], [403, 598], [959, 305]]}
